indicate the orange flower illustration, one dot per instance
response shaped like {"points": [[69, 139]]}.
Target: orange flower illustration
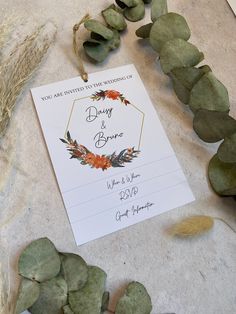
{"points": [[112, 94], [98, 162], [104, 162]]}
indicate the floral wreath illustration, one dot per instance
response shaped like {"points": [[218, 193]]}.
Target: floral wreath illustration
{"points": [[86, 157]]}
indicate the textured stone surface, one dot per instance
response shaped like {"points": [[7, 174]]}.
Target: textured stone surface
{"points": [[182, 276]]}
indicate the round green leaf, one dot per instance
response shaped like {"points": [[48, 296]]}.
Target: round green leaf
{"points": [[114, 43], [105, 301], [213, 126], [39, 261], [67, 310], [227, 150], [114, 19], [75, 271], [144, 31], [89, 298], [177, 53], [96, 50], [185, 78], [136, 300], [28, 294], [158, 8], [222, 177], [136, 13], [52, 298], [210, 94], [167, 27], [98, 28]]}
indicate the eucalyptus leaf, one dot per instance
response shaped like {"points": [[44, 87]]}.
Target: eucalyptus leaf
{"points": [[89, 298], [227, 150], [213, 126], [114, 43], [121, 4], [127, 3], [114, 19], [98, 51], [158, 8], [105, 301], [28, 294], [185, 78], [222, 177], [209, 93], [144, 31], [114, 7], [74, 270], [39, 261], [177, 53], [67, 310], [98, 28], [52, 298], [167, 27], [136, 13], [136, 300]]}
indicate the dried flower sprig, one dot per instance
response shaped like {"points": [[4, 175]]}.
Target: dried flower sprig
{"points": [[195, 225], [17, 70]]}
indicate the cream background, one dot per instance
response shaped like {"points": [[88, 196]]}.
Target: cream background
{"points": [[182, 276]]}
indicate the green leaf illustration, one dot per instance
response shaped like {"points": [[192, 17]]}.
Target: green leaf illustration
{"points": [[136, 300], [39, 261]]}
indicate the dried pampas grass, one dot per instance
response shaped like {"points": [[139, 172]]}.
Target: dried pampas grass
{"points": [[192, 226], [16, 71]]}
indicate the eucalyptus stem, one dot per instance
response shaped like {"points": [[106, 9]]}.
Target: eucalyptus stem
{"points": [[227, 224], [83, 73]]}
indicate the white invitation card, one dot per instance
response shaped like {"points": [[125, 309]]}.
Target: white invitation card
{"points": [[232, 4], [112, 159]]}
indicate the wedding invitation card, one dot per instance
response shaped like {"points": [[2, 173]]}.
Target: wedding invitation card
{"points": [[232, 4], [112, 159]]}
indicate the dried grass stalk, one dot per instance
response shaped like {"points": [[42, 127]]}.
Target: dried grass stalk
{"points": [[16, 71], [192, 226]]}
